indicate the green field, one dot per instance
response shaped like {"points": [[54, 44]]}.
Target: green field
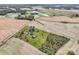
{"points": [[60, 13], [44, 41], [41, 37], [53, 43]]}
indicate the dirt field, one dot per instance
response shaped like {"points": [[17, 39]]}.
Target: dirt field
{"points": [[16, 46], [69, 30], [8, 27], [60, 19], [52, 25]]}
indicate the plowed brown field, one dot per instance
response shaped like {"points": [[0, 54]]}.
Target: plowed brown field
{"points": [[60, 19], [8, 27]]}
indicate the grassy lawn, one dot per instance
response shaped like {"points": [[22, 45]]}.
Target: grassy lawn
{"points": [[41, 37], [44, 41]]}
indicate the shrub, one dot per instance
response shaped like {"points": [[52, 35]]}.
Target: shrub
{"points": [[70, 53], [53, 43], [78, 41]]}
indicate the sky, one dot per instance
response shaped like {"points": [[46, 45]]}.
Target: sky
{"points": [[39, 1]]}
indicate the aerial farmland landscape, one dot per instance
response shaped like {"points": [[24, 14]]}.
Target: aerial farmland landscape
{"points": [[39, 29]]}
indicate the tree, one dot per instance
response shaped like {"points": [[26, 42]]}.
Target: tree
{"points": [[30, 17]]}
